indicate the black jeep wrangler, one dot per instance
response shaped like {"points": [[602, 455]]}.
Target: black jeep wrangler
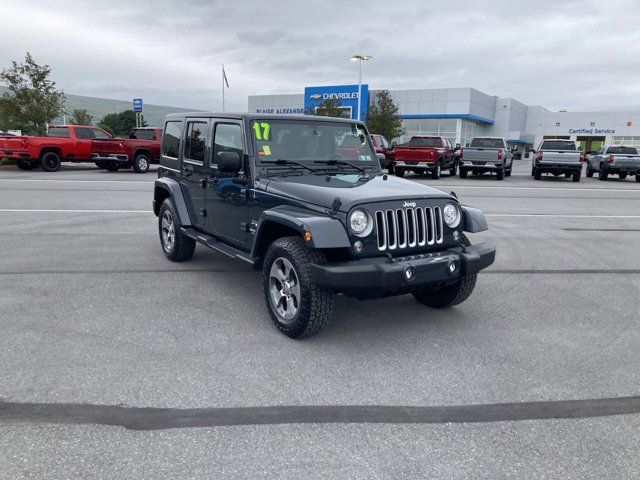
{"points": [[303, 199]]}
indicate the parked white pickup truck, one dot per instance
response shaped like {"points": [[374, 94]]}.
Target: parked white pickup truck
{"points": [[487, 154], [614, 159], [557, 156]]}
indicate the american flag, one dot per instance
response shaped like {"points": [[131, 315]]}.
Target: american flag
{"points": [[224, 76]]}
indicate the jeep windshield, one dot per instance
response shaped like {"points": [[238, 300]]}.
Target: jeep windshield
{"points": [[319, 145]]}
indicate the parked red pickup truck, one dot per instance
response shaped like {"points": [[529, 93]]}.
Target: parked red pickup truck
{"points": [[425, 154], [65, 143], [382, 146], [141, 149], [75, 143]]}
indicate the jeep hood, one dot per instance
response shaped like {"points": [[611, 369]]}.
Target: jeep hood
{"points": [[322, 190]]}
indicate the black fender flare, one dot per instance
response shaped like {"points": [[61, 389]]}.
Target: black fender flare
{"points": [[167, 187], [326, 231], [473, 220]]}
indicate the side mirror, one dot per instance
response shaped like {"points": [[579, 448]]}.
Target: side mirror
{"points": [[394, 144], [229, 162]]}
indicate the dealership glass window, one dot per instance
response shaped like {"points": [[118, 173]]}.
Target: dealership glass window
{"points": [[171, 140], [629, 141], [195, 141], [445, 127]]}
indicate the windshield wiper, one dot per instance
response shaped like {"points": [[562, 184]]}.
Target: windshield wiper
{"points": [[335, 161], [282, 161]]}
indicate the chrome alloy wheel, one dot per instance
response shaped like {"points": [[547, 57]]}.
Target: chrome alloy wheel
{"points": [[284, 290], [168, 230]]}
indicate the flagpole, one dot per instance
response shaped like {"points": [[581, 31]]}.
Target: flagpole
{"points": [[222, 88]]}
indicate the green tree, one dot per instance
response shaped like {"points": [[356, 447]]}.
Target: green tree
{"points": [[383, 116], [121, 123], [81, 117], [329, 108], [32, 100]]}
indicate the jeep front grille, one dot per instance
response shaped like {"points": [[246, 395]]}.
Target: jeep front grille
{"points": [[409, 227]]}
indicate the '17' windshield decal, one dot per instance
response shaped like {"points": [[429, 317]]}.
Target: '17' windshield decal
{"points": [[262, 130]]}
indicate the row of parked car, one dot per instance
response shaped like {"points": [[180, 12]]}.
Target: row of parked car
{"points": [[434, 155], [77, 143]]}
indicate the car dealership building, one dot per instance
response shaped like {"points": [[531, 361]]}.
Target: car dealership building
{"points": [[463, 113]]}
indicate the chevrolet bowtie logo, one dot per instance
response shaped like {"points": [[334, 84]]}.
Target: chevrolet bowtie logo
{"points": [[315, 96]]}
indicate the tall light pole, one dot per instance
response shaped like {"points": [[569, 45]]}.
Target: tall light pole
{"points": [[360, 59]]}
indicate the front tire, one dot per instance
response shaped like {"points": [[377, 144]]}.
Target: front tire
{"points": [[399, 172], [141, 163], [176, 246], [297, 307], [589, 172], [50, 162], [437, 171]]}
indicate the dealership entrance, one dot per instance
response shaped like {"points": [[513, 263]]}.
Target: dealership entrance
{"points": [[590, 144]]}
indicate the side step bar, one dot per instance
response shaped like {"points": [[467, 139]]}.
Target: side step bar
{"points": [[213, 243]]}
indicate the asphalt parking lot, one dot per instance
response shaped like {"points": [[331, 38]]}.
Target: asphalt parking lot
{"points": [[92, 313]]}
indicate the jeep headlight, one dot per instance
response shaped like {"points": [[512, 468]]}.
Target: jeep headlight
{"points": [[451, 215], [360, 223]]}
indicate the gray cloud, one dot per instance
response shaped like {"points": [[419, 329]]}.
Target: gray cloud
{"points": [[578, 55]]}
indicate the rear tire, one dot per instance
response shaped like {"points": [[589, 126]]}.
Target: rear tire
{"points": [[141, 163], [637, 177], [603, 174], [176, 246], [576, 176], [622, 176], [100, 164], [453, 172], [500, 174], [399, 172], [298, 308], [589, 172], [507, 173], [50, 162], [537, 174], [463, 173], [25, 165], [112, 166]]}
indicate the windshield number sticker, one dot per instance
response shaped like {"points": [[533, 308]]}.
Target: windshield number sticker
{"points": [[262, 130]]}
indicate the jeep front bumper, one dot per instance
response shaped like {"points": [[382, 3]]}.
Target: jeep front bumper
{"points": [[378, 276]]}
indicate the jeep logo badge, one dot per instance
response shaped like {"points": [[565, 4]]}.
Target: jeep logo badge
{"points": [[409, 204]]}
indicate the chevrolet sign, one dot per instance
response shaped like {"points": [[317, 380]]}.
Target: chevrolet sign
{"points": [[315, 96]]}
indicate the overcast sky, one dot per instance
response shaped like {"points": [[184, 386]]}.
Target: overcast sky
{"points": [[582, 55]]}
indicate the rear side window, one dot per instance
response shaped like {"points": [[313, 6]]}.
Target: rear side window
{"points": [[58, 132], [227, 138], [171, 140], [195, 141], [84, 133], [623, 150], [143, 134]]}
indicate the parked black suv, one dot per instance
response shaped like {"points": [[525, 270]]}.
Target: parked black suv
{"points": [[303, 200]]}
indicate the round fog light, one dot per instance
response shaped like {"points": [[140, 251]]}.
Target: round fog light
{"points": [[409, 273], [358, 246]]}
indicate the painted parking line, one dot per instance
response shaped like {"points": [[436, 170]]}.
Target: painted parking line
{"points": [[557, 189], [515, 215], [21, 210], [553, 215], [59, 180]]}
